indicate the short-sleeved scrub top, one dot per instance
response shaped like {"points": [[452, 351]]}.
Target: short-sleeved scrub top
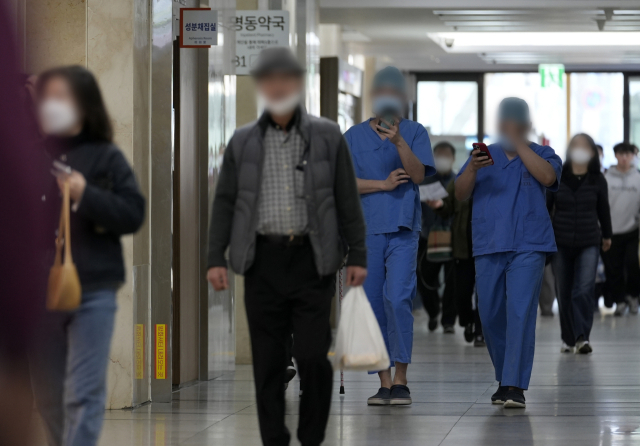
{"points": [[374, 159], [509, 205]]}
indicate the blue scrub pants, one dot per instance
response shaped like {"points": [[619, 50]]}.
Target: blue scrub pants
{"points": [[391, 286], [508, 285]]}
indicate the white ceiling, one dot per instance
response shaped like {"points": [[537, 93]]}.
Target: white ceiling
{"points": [[398, 34]]}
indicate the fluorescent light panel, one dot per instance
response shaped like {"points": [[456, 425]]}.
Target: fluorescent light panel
{"points": [[475, 41]]}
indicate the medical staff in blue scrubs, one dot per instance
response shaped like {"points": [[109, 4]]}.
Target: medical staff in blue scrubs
{"points": [[391, 157], [512, 236]]}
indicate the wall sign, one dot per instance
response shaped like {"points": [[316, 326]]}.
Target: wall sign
{"points": [[255, 31], [198, 28], [551, 74]]}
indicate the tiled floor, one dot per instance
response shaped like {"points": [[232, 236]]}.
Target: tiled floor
{"points": [[573, 400]]}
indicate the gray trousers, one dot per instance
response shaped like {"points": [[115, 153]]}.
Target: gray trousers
{"points": [[548, 292], [69, 369]]}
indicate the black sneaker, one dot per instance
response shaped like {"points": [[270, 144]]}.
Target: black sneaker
{"points": [[514, 399], [479, 341], [382, 398], [468, 333], [433, 324], [500, 396], [400, 395]]}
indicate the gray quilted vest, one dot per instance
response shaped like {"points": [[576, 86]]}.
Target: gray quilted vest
{"points": [[323, 139]]}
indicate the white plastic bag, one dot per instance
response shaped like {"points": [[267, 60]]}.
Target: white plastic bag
{"points": [[359, 342]]}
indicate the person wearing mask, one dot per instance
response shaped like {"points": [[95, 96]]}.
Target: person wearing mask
{"points": [[464, 270], [70, 358], [391, 156], [581, 223], [621, 262], [287, 207], [512, 236], [429, 271]]}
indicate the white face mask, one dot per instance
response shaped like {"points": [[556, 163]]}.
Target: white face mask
{"points": [[57, 117], [282, 106], [580, 156], [443, 164]]}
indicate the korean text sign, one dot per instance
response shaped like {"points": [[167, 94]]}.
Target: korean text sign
{"points": [[198, 27], [255, 31]]}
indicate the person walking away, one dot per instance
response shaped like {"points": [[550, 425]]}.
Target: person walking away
{"points": [[391, 156], [512, 236], [70, 358], [287, 207], [621, 262], [429, 271], [581, 223], [464, 269]]}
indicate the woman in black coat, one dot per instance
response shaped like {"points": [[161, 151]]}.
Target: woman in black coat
{"points": [[582, 224], [70, 359]]}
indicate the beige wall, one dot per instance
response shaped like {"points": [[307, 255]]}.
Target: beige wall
{"points": [[99, 35]]}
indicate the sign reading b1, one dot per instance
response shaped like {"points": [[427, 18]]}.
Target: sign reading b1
{"points": [[198, 27], [255, 31]]}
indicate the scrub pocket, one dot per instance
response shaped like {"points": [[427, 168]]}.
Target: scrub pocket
{"points": [[537, 229], [481, 231]]}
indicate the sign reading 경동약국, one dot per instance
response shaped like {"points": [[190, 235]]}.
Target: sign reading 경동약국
{"points": [[198, 27], [255, 31]]}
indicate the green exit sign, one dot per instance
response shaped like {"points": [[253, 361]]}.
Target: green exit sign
{"points": [[551, 74]]}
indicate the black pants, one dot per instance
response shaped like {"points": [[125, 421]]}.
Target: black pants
{"points": [[621, 266], [284, 295], [429, 283], [464, 273]]}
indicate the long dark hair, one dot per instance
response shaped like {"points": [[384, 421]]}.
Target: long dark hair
{"points": [[96, 125], [594, 164]]}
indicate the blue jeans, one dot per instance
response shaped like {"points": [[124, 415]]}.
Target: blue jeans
{"points": [[575, 272], [69, 369], [508, 285]]}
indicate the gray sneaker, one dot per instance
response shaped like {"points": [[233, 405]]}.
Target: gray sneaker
{"points": [[634, 304], [621, 307]]}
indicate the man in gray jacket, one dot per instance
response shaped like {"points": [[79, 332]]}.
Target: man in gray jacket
{"points": [[287, 207], [621, 261]]}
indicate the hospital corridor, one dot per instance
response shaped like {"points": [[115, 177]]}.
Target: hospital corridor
{"points": [[320, 223]]}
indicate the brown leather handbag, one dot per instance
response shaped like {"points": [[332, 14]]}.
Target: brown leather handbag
{"points": [[64, 291]]}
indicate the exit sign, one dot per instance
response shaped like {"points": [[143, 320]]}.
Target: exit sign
{"points": [[551, 74]]}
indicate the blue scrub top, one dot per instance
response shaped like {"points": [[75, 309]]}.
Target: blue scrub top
{"points": [[509, 205], [374, 159]]}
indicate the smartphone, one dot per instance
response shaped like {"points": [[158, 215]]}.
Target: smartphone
{"points": [[484, 149], [390, 118], [60, 168]]}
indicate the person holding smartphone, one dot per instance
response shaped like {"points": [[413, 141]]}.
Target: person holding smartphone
{"points": [[391, 157], [512, 236]]}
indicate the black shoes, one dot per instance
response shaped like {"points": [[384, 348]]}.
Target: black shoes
{"points": [[382, 398], [514, 399], [479, 341], [433, 324], [400, 395], [468, 333], [500, 396]]}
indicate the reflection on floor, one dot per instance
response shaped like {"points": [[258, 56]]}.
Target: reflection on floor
{"points": [[573, 400]]}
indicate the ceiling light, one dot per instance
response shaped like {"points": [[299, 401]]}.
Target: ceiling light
{"points": [[466, 42]]}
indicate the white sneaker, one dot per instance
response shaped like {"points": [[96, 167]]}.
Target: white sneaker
{"points": [[634, 305], [565, 348], [620, 309]]}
